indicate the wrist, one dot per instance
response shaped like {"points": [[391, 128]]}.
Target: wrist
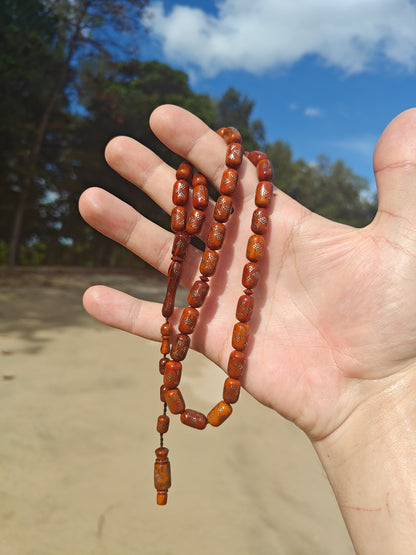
{"points": [[370, 461]]}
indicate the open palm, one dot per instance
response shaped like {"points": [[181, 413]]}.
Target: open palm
{"points": [[335, 312]]}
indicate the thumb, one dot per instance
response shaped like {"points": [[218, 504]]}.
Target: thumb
{"points": [[394, 165]]}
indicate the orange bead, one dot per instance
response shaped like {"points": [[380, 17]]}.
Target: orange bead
{"points": [[184, 171], [189, 318], [180, 347], [194, 419], [180, 193], [197, 294], [175, 401], [216, 236], [172, 375], [234, 155], [231, 391], [180, 244], [165, 346], [162, 424], [162, 365], [245, 307], [256, 156], [255, 248], [178, 219], [163, 390], [174, 276], [232, 135], [162, 476], [259, 221], [198, 179], [229, 181], [240, 336], [251, 274], [219, 413], [166, 329], [264, 194], [223, 208], [264, 170], [236, 364], [200, 197], [208, 263], [195, 221]]}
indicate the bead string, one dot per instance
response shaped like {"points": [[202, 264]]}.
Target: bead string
{"points": [[184, 228]]}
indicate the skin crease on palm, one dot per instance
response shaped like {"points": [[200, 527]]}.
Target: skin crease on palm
{"points": [[335, 316]]}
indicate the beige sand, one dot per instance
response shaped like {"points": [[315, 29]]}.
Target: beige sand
{"points": [[78, 408]]}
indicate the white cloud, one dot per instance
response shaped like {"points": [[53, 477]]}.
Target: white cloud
{"points": [[312, 112], [257, 36]]}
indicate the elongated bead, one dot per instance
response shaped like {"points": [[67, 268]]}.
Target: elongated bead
{"points": [[197, 294], [231, 391], [240, 336], [264, 194], [163, 390], [208, 263], [259, 221], [234, 155], [189, 318], [174, 276], [245, 307], [251, 274], [162, 365], [184, 171], [236, 364], [180, 244], [216, 236], [165, 347], [162, 424], [178, 219], [175, 401], [264, 170], [229, 181], [172, 375], [200, 197], [180, 347], [219, 413], [223, 208], [162, 476], [195, 221], [194, 419], [180, 193], [255, 248]]}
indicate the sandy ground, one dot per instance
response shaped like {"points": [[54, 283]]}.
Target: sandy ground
{"points": [[79, 403]]}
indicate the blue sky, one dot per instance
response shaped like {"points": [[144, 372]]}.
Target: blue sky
{"points": [[326, 76]]}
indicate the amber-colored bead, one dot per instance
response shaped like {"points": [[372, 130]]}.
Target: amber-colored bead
{"points": [[264, 170], [223, 208], [236, 364], [232, 135], [216, 236], [197, 294], [221, 131], [240, 336], [162, 364], [255, 248], [231, 391], [166, 329], [251, 274], [256, 156], [180, 193], [174, 277], [180, 347], [245, 307], [234, 155], [184, 171], [219, 413], [195, 221], [264, 194], [200, 197], [163, 390], [198, 179], [172, 375], [180, 244], [189, 318], [178, 219], [229, 181], [175, 401], [163, 424], [194, 419], [259, 221], [208, 263], [165, 346], [162, 476]]}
